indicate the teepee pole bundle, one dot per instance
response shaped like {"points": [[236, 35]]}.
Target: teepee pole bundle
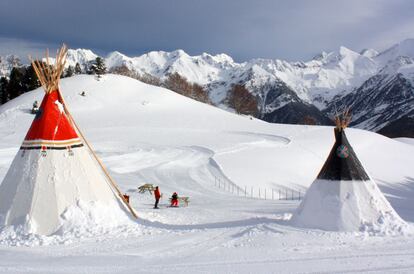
{"points": [[343, 119], [49, 75]]}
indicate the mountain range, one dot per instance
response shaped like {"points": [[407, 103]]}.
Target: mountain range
{"points": [[378, 87]]}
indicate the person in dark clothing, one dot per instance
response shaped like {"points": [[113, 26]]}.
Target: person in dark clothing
{"points": [[157, 196], [174, 200]]}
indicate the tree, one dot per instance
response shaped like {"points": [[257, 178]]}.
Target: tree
{"points": [[179, 84], [14, 61], [98, 67], [78, 69], [200, 94], [15, 86], [309, 120], [30, 80], [145, 77], [4, 95], [70, 71], [242, 101]]}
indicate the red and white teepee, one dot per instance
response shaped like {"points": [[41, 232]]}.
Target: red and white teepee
{"points": [[55, 169]]}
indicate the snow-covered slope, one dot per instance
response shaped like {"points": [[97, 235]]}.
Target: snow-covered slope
{"points": [[147, 134]]}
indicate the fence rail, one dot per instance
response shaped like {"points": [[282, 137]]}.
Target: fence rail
{"points": [[258, 192]]}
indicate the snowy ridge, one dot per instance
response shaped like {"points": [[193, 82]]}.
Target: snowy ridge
{"points": [[326, 82]]}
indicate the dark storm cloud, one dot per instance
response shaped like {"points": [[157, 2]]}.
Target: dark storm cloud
{"points": [[244, 29]]}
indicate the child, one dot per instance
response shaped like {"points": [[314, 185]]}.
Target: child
{"points": [[174, 200]]}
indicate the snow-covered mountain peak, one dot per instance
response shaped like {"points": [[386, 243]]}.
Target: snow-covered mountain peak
{"points": [[80, 56], [370, 53], [326, 57], [346, 52], [218, 58], [404, 48], [178, 54], [116, 58]]}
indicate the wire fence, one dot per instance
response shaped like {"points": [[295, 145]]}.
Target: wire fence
{"points": [[258, 192]]}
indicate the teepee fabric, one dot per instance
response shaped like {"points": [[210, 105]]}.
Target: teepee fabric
{"points": [[344, 197], [54, 172]]}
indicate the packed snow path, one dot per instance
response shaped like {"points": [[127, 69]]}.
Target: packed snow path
{"points": [[146, 134]]}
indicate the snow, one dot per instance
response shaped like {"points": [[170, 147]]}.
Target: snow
{"points": [[147, 134], [348, 206], [409, 141]]}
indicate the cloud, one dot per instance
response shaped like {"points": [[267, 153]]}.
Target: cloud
{"points": [[293, 30], [24, 48]]}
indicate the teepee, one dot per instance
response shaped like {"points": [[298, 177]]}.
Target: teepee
{"points": [[344, 197], [55, 169]]}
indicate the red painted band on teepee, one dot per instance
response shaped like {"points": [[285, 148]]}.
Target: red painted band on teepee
{"points": [[51, 122]]}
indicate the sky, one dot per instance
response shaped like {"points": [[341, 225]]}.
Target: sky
{"points": [[291, 30]]}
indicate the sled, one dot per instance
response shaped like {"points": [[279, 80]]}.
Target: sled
{"points": [[182, 200], [146, 187]]}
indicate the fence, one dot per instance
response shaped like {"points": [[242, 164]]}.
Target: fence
{"points": [[258, 192]]}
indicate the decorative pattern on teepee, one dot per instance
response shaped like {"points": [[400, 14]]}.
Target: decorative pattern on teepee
{"points": [[55, 170], [344, 197]]}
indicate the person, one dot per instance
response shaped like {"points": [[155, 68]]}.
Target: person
{"points": [[174, 200], [157, 195]]}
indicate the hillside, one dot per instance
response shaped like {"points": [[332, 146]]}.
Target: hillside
{"points": [[378, 86], [147, 134]]}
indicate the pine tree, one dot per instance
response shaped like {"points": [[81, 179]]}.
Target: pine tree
{"points": [[15, 86], [78, 69], [70, 71], [30, 80], [4, 95], [98, 67]]}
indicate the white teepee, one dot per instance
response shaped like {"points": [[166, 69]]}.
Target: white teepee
{"points": [[55, 169], [344, 197]]}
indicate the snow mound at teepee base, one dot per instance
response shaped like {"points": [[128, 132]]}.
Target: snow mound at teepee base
{"points": [[348, 206], [80, 221]]}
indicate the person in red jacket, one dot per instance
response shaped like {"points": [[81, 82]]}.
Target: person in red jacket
{"points": [[157, 195], [174, 200]]}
